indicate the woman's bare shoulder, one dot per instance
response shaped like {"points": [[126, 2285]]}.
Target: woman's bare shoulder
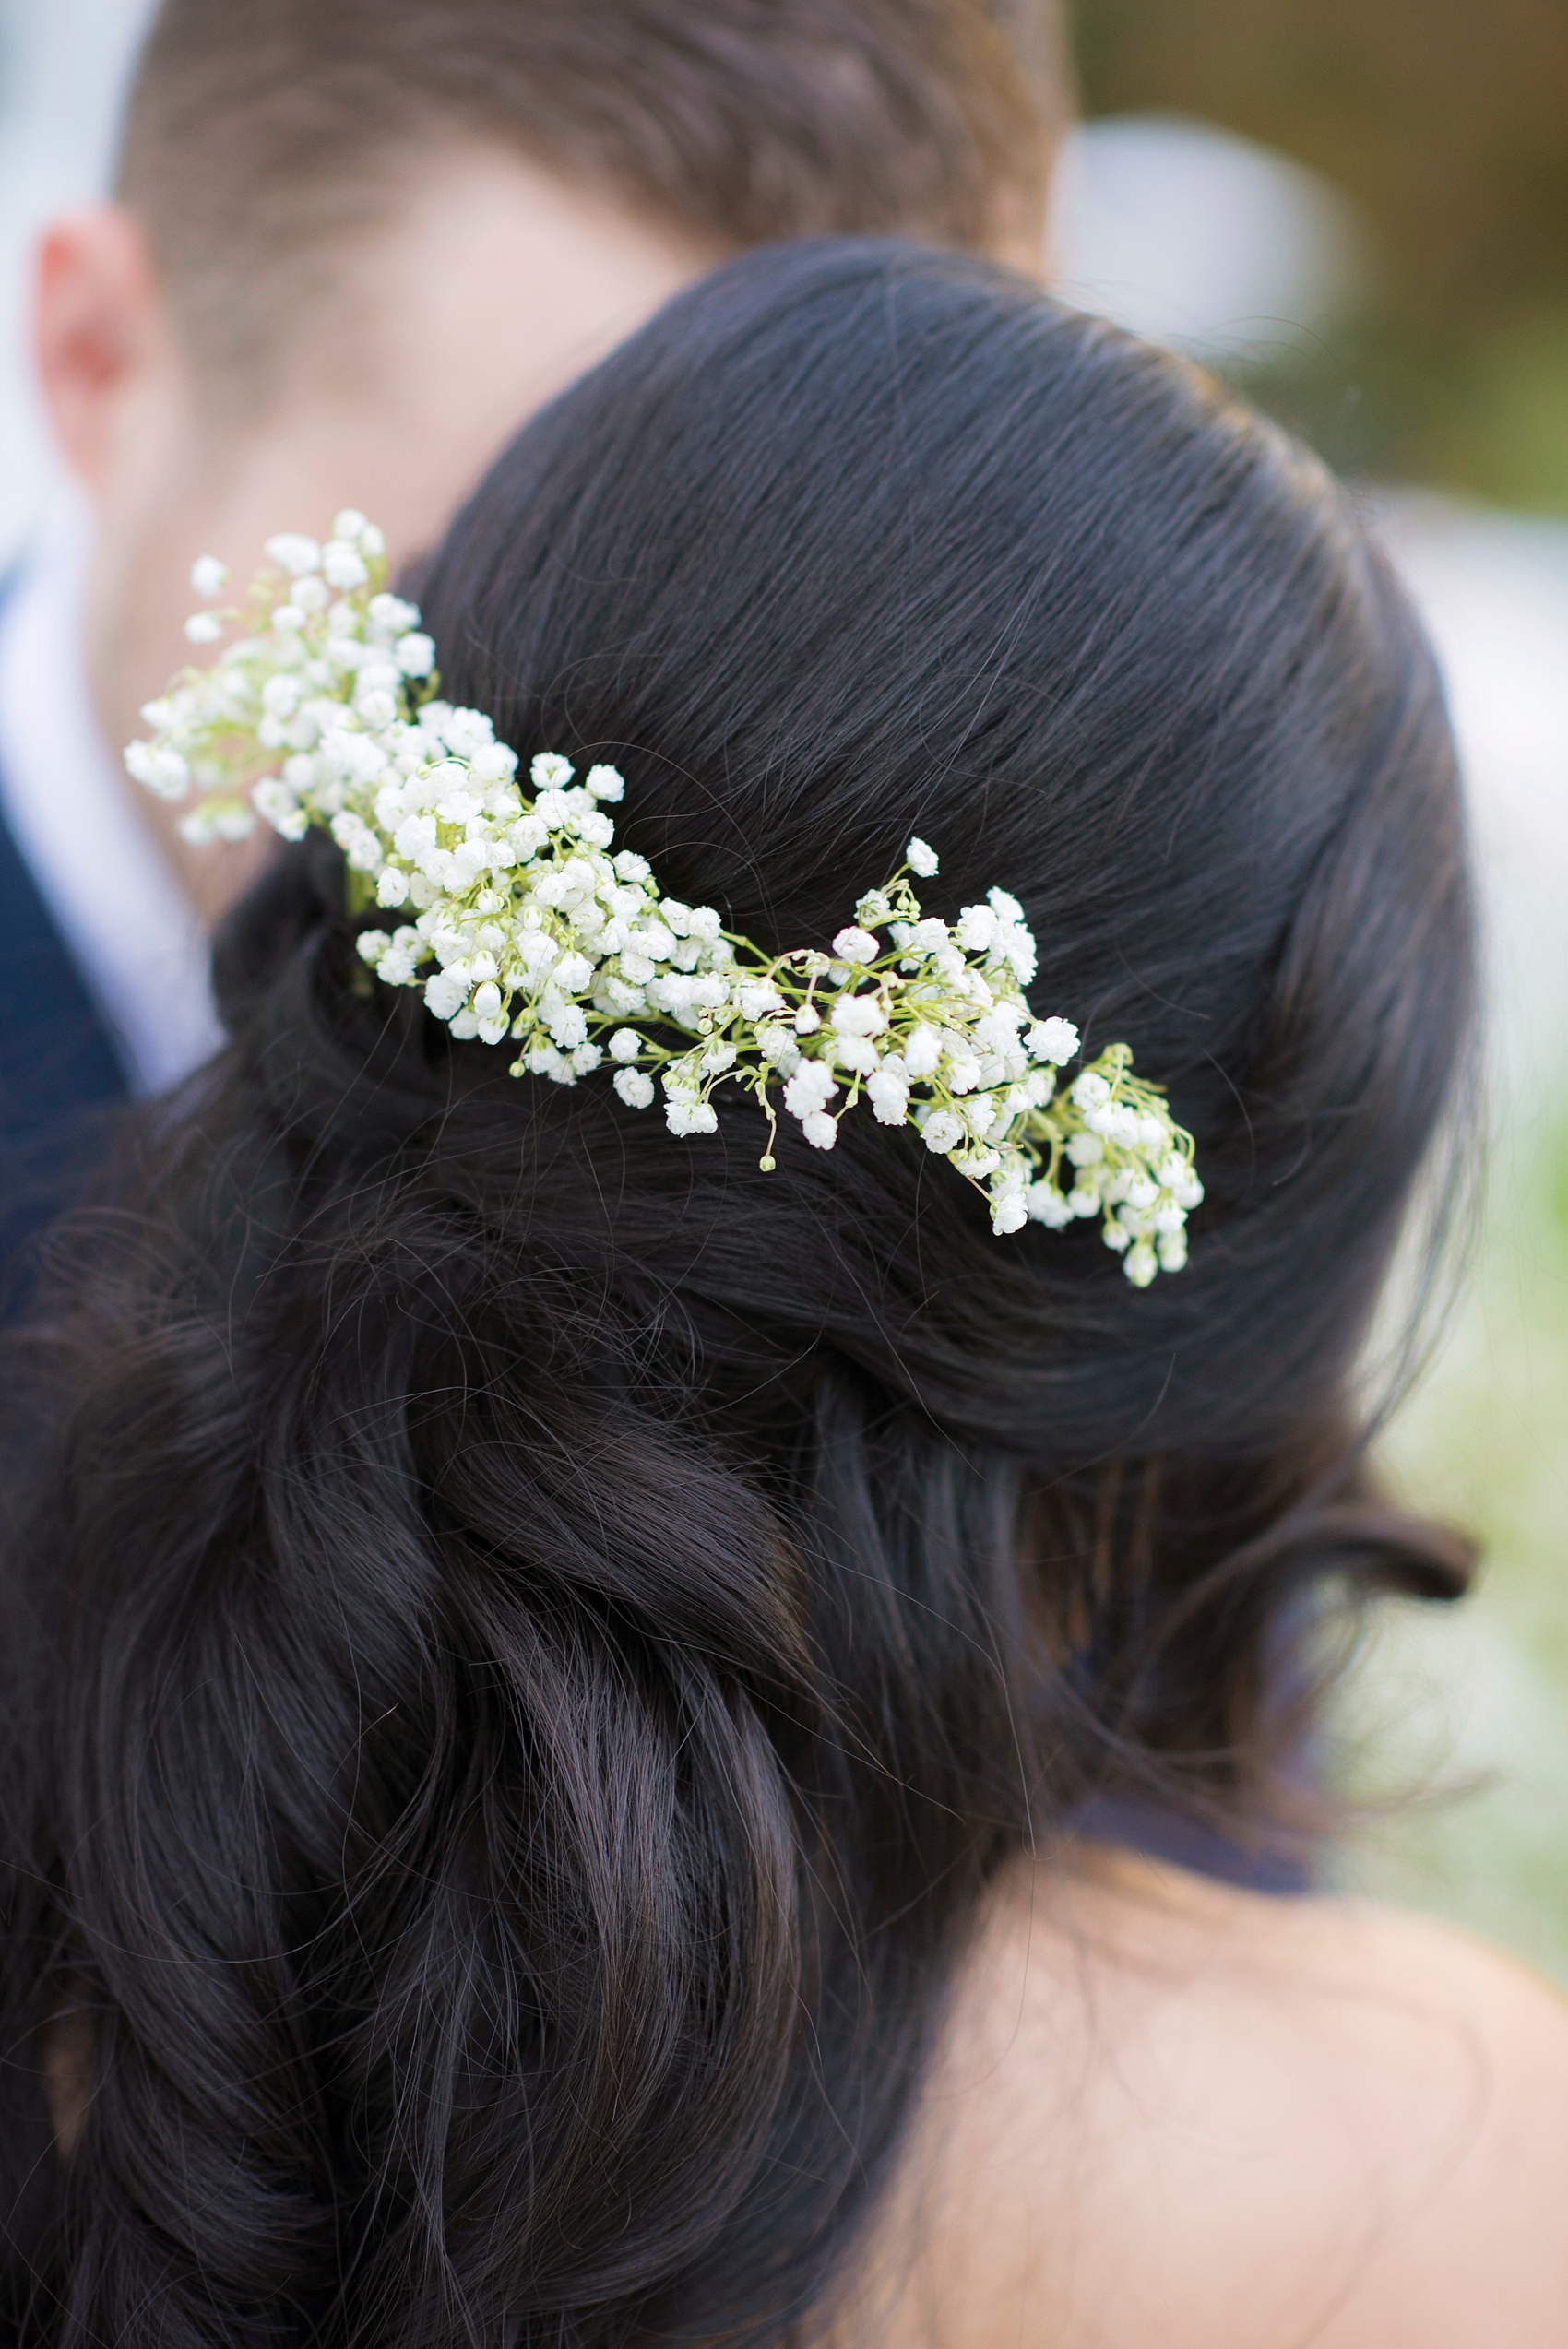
{"points": [[1173, 2116]]}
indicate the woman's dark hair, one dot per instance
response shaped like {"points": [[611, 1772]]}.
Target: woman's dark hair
{"points": [[527, 1639]]}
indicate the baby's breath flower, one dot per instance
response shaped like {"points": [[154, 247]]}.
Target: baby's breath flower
{"points": [[523, 925], [160, 767], [208, 576], [295, 554], [415, 653], [1052, 1039], [856, 945], [943, 1132], [342, 564]]}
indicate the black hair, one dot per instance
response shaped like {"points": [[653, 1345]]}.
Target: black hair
{"points": [[527, 1639]]}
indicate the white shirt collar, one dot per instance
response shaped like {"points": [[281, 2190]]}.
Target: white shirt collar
{"points": [[127, 922]]}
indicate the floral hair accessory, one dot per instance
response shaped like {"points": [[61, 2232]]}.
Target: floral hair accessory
{"points": [[525, 928]]}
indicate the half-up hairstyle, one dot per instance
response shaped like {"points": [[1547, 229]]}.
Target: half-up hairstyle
{"points": [[527, 1639]]}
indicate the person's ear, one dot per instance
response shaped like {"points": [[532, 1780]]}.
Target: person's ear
{"points": [[99, 327]]}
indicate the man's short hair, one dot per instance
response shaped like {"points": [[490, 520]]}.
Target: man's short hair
{"points": [[262, 134]]}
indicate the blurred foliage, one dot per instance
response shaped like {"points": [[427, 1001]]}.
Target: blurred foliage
{"points": [[1446, 124], [1469, 1705]]}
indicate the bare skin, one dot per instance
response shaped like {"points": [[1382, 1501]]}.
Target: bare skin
{"points": [[492, 287], [1173, 2116], [1167, 2115]]}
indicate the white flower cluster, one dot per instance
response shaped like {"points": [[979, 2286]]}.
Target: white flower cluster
{"points": [[525, 928]]}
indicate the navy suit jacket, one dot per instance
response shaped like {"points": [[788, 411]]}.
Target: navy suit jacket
{"points": [[59, 1071]]}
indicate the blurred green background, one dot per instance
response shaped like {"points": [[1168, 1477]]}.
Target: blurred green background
{"points": [[1445, 125]]}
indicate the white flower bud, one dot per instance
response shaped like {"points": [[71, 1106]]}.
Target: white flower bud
{"points": [[444, 993], [976, 928], [567, 1025], [343, 566], [856, 946], [349, 524], [859, 1015], [208, 576], [889, 1097], [777, 1047], [1141, 1265], [820, 1130], [1046, 1206], [811, 1087], [921, 859], [923, 1053], [293, 553], [1052, 1039], [204, 628], [691, 1117], [942, 1132], [636, 1088], [415, 654], [161, 770]]}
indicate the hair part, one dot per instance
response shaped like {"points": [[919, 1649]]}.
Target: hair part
{"points": [[263, 139]]}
